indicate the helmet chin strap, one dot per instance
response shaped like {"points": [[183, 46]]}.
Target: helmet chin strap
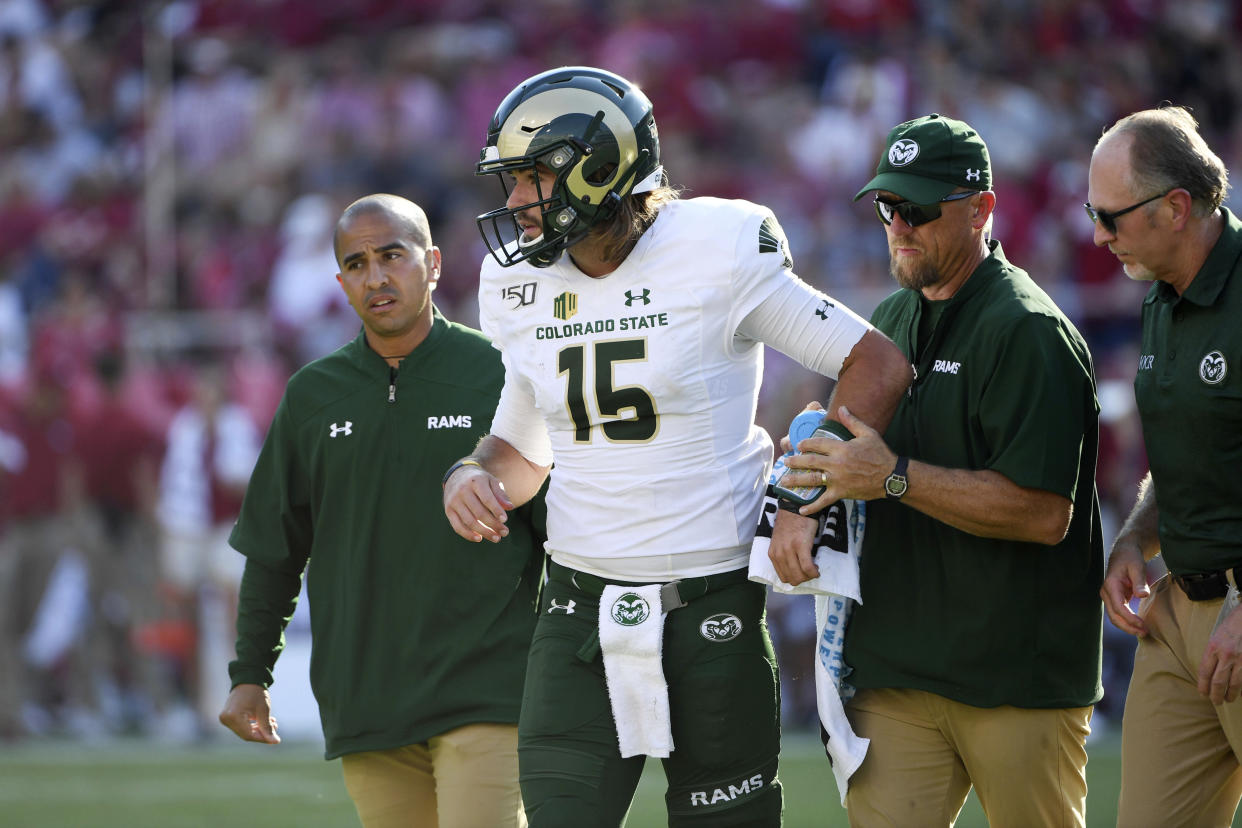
{"points": [[524, 242]]}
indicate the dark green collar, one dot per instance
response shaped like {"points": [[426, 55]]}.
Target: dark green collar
{"points": [[366, 360], [984, 272], [1211, 279]]}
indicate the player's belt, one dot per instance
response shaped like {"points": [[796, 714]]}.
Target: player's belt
{"points": [[673, 594], [1208, 586]]}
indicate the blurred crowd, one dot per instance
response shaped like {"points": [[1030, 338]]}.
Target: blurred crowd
{"points": [[172, 171]]}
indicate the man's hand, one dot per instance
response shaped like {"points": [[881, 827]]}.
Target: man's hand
{"points": [[792, 547], [1220, 670], [853, 470], [475, 504], [248, 713], [1125, 579]]}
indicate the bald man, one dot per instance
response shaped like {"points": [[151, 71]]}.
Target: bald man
{"points": [[420, 636]]}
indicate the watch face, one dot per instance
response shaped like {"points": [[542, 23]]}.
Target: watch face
{"points": [[895, 485]]}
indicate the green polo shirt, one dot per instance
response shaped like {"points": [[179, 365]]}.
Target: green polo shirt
{"points": [[1189, 393], [414, 630], [1004, 382]]}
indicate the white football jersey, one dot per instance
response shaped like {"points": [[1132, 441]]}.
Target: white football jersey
{"points": [[647, 392]]}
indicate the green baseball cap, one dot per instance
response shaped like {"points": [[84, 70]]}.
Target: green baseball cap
{"points": [[930, 157]]}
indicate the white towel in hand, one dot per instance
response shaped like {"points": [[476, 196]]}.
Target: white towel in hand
{"points": [[631, 634], [836, 589], [836, 558]]}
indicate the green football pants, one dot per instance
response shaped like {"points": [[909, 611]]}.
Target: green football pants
{"points": [[724, 703]]}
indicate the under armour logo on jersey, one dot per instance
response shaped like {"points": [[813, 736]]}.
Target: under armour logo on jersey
{"points": [[973, 175], [645, 296], [903, 152], [568, 608], [346, 429], [824, 307]]}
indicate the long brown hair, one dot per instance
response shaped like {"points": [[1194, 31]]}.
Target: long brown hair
{"points": [[636, 213]]}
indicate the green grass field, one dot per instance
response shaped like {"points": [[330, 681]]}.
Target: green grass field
{"points": [[142, 785]]}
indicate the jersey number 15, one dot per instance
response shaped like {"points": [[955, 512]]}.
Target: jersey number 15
{"points": [[610, 401]]}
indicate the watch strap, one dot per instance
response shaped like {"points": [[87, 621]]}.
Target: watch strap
{"points": [[897, 479]]}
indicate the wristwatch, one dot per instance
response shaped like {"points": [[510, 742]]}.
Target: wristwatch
{"points": [[895, 484]]}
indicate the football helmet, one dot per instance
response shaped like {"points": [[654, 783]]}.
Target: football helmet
{"points": [[595, 131]]}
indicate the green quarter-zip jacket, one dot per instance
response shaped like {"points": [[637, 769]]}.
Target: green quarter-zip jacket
{"points": [[415, 631]]}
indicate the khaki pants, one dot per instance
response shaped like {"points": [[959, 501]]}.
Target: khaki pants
{"points": [[1179, 752], [1028, 766], [466, 778]]}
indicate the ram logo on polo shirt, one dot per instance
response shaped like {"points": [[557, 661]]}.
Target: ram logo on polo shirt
{"points": [[1212, 368]]}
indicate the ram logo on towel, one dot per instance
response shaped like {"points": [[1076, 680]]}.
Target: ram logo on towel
{"points": [[630, 610], [721, 627]]}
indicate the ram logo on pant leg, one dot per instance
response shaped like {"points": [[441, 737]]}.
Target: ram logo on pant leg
{"points": [[721, 627]]}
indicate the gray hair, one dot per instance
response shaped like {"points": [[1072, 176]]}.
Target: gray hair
{"points": [[1168, 152]]}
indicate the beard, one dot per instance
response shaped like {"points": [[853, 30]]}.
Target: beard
{"points": [[1138, 272], [915, 276]]}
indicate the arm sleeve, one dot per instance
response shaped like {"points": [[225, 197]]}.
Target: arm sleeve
{"points": [[519, 423], [273, 531], [267, 599], [807, 325]]}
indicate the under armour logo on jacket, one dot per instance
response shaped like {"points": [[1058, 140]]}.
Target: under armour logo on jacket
{"points": [[346, 429]]}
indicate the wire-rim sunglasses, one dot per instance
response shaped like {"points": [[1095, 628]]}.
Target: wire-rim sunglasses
{"points": [[915, 214]]}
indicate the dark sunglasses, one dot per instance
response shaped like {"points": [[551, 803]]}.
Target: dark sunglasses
{"points": [[1108, 220], [915, 214]]}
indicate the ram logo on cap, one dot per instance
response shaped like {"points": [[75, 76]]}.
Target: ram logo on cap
{"points": [[902, 152]]}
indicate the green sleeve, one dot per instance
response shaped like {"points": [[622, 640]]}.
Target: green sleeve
{"points": [[1036, 406], [267, 599]]}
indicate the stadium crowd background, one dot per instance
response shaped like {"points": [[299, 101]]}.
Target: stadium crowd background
{"points": [[170, 174]]}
